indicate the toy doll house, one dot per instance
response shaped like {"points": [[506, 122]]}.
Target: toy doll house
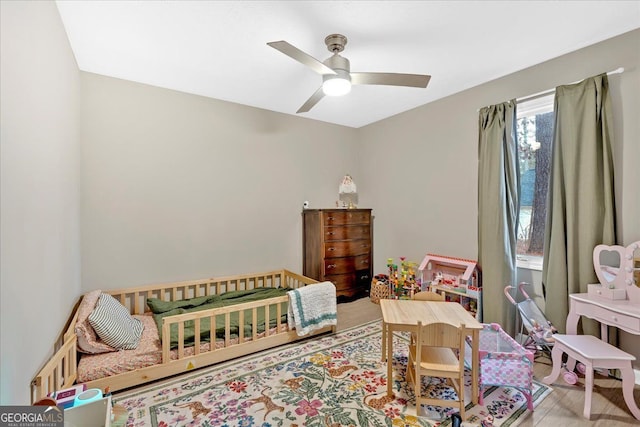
{"points": [[458, 278]]}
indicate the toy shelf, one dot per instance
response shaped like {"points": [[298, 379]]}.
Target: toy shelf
{"points": [[449, 290], [472, 303], [459, 279]]}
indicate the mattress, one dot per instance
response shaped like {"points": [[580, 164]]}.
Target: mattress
{"points": [[149, 352]]}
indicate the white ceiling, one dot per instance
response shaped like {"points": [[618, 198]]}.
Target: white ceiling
{"points": [[218, 48]]}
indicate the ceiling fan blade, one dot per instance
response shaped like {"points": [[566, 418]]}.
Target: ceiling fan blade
{"points": [[313, 100], [390, 79], [301, 57]]}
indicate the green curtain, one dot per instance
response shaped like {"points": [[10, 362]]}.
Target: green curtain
{"points": [[580, 206], [498, 209]]}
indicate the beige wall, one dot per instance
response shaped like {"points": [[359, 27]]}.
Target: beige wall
{"points": [[426, 159], [177, 186], [152, 155], [39, 179], [425, 172]]}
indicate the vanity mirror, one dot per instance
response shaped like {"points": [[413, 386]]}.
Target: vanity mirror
{"points": [[606, 262], [632, 272], [618, 270]]}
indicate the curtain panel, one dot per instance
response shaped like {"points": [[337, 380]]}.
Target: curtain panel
{"points": [[498, 210], [580, 205]]}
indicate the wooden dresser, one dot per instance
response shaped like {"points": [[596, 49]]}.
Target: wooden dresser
{"points": [[338, 247]]}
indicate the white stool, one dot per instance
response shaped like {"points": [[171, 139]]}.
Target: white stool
{"points": [[594, 353]]}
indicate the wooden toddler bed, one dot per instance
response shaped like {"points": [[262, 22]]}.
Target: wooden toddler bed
{"points": [[201, 349]]}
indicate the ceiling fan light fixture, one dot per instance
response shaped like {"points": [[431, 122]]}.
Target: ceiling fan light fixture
{"points": [[336, 71], [336, 85]]}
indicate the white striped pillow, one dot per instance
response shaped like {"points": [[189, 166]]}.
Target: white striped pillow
{"points": [[114, 325]]}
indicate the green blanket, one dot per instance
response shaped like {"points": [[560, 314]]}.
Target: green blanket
{"points": [[162, 309]]}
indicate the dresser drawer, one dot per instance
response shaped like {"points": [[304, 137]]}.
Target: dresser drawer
{"points": [[346, 265], [345, 217], [338, 246], [347, 248], [363, 280], [612, 318], [343, 282], [347, 232]]}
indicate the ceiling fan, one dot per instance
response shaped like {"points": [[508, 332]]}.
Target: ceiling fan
{"points": [[337, 77]]}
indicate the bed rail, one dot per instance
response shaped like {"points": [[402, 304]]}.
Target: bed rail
{"points": [[135, 299], [60, 371], [277, 305]]}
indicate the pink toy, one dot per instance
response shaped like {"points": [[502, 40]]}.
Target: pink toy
{"points": [[539, 330], [438, 279], [503, 362], [459, 279], [454, 272]]}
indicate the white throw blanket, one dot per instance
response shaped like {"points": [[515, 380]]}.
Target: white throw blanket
{"points": [[312, 307]]}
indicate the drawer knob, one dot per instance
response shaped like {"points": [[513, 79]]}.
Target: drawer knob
{"points": [[331, 249], [366, 261], [330, 218], [331, 266], [330, 233]]}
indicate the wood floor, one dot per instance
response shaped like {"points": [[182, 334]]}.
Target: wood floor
{"points": [[562, 408]]}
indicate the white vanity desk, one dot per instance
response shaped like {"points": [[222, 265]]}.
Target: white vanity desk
{"points": [[622, 314], [616, 300]]}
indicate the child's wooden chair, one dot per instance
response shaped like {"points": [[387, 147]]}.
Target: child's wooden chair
{"points": [[438, 352], [428, 296]]}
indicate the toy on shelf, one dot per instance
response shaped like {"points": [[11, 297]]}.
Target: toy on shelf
{"points": [[459, 279], [379, 288], [461, 275], [402, 282]]}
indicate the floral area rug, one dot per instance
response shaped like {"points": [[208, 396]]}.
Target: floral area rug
{"points": [[328, 381]]}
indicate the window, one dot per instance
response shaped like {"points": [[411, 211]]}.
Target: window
{"points": [[535, 135]]}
